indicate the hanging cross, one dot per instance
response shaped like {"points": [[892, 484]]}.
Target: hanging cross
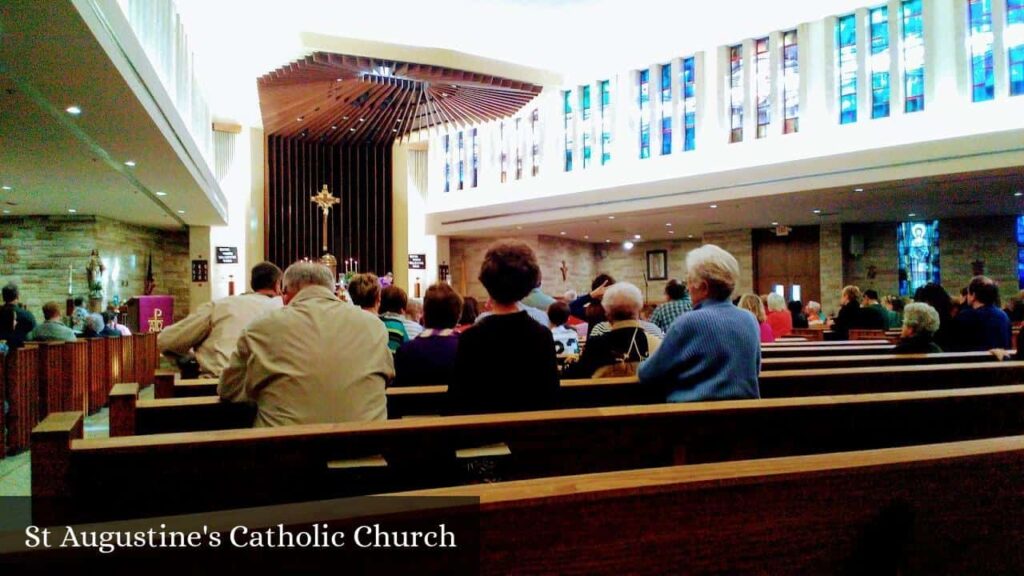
{"points": [[325, 201], [565, 270]]}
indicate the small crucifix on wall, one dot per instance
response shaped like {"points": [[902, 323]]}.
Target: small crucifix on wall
{"points": [[565, 271]]}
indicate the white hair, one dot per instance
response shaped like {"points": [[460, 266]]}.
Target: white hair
{"points": [[95, 321], [776, 303], [622, 301], [302, 274], [921, 318], [716, 267], [812, 305]]}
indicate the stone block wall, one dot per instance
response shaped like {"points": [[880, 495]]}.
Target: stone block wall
{"points": [[37, 251], [831, 265], [631, 265], [739, 243]]}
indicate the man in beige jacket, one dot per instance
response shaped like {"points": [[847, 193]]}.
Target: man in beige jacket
{"points": [[213, 329], [316, 360]]}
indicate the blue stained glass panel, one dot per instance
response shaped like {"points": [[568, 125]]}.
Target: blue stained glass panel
{"points": [[1014, 36], [736, 93], [846, 64], [567, 125], [645, 114], [790, 82], [689, 85], [880, 62], [1020, 252], [447, 163], [462, 161], [913, 56], [666, 109], [606, 122], [586, 127], [918, 247], [763, 86], [474, 146], [979, 16]]}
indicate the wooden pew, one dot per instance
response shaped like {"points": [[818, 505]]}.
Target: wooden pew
{"points": [[796, 350], [100, 376], [939, 509], [878, 360], [826, 343], [856, 334], [145, 349], [176, 473], [811, 334], [21, 372], [951, 508]]}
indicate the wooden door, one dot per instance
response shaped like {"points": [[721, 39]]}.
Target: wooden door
{"points": [[791, 261]]}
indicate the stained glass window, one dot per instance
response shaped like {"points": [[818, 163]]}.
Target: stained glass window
{"points": [[736, 93], [918, 246], [878, 20], [567, 117], [462, 161], [790, 82], [983, 78], [763, 85], [1020, 252], [689, 99], [505, 152], [606, 121], [535, 141], [645, 114], [517, 139], [447, 163], [846, 65], [666, 109], [1014, 39], [913, 56], [587, 126], [474, 146]]}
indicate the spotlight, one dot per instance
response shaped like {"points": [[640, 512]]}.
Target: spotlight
{"points": [[627, 245]]}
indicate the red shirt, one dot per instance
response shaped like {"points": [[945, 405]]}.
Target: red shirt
{"points": [[781, 322]]}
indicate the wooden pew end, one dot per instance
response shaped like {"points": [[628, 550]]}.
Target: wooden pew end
{"points": [[376, 461], [122, 400]]}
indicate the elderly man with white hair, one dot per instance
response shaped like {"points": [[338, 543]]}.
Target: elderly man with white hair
{"points": [[713, 352], [618, 351], [920, 323], [317, 360]]}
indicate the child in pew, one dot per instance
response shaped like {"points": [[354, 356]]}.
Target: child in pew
{"points": [[506, 361], [567, 340]]}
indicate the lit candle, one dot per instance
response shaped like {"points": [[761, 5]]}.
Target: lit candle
{"points": [[70, 268]]}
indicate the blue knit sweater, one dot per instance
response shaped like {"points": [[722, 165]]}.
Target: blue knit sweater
{"points": [[712, 353]]}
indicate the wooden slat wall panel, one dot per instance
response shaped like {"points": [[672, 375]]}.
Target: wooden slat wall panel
{"points": [[146, 350], [128, 360], [100, 380], [359, 228], [54, 384], [23, 394], [115, 350], [76, 362]]}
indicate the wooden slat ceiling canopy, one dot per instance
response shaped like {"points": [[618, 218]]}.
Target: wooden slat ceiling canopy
{"points": [[335, 98]]}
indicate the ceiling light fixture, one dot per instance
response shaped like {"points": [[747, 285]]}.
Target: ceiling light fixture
{"points": [[858, 189], [1018, 193], [668, 224], [690, 236], [561, 233], [911, 215], [73, 110], [606, 241], [362, 119], [627, 245], [72, 210], [161, 193], [181, 211], [636, 236], [6, 187], [351, 129], [130, 163], [816, 211], [671, 231], [586, 237], [334, 126], [713, 206], [7, 211], [611, 217], [775, 223]]}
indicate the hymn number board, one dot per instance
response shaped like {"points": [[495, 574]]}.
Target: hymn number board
{"points": [[200, 270]]}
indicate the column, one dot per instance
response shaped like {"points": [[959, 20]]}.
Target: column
{"points": [[776, 106], [830, 71], [943, 38], [863, 65], [897, 93], [999, 52]]}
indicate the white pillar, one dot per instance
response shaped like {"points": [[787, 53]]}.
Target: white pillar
{"points": [[999, 53], [863, 69], [897, 93], [776, 107], [830, 71], [943, 38]]}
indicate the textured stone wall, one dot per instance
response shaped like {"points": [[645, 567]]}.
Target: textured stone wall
{"points": [[740, 244], [961, 242], [831, 266], [37, 251], [631, 265]]}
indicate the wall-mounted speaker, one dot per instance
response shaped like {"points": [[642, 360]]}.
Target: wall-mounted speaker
{"points": [[856, 245]]}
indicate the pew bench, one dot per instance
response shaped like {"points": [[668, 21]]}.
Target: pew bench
{"points": [[878, 360], [108, 478]]}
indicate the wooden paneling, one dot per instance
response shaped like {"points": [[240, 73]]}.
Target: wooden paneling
{"points": [[76, 361], [100, 377], [788, 260], [22, 375], [359, 227]]}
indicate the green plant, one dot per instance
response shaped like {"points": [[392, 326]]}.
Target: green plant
{"points": [[96, 291]]}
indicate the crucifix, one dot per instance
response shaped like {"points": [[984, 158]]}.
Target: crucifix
{"points": [[325, 201]]}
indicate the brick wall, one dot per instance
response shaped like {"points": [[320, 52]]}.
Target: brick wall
{"points": [[37, 251], [630, 266], [831, 265], [740, 244]]}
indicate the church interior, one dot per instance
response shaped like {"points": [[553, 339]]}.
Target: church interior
{"points": [[621, 172]]}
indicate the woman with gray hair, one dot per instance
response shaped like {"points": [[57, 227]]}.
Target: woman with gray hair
{"points": [[778, 316], [920, 322], [619, 351], [713, 352]]}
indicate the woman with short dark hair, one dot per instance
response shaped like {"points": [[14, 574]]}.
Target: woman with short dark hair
{"points": [[506, 361], [429, 358]]}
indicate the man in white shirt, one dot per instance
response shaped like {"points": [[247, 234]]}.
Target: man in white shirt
{"points": [[211, 332], [317, 360]]}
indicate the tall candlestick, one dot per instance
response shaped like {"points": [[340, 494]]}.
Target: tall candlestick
{"points": [[70, 268]]}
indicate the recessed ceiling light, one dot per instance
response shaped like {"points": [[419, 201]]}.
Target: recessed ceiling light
{"points": [[72, 210], [561, 233], [858, 189], [6, 187], [713, 206], [362, 119], [181, 211], [394, 129], [611, 217], [351, 129], [775, 223], [338, 80], [668, 224], [671, 231], [690, 236], [636, 236], [334, 126], [344, 117], [627, 245], [7, 211], [299, 119], [399, 120], [73, 110], [161, 193], [519, 227], [911, 215], [130, 163], [816, 211], [586, 237], [1018, 193], [606, 241]]}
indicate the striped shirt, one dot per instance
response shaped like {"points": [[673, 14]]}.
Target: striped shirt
{"points": [[604, 328], [711, 353]]}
